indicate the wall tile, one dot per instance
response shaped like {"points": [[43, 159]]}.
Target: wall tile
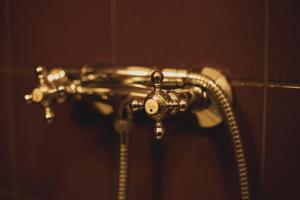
{"points": [[70, 159], [5, 167], [227, 35], [284, 41], [60, 32], [282, 145]]}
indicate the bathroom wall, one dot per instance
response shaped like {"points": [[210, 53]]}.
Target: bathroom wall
{"points": [[255, 43]]}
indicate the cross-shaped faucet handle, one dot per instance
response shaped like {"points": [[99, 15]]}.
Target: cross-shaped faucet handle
{"points": [[51, 88], [159, 103]]}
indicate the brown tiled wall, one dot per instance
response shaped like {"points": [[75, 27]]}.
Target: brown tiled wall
{"points": [[255, 43]]}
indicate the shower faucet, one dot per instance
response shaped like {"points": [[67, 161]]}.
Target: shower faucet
{"points": [[158, 93], [167, 89]]}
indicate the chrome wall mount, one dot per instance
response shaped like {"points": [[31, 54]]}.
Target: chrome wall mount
{"points": [[158, 93]]}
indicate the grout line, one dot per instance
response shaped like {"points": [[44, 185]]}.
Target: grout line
{"points": [[268, 84], [247, 83], [284, 85], [113, 20], [265, 99], [9, 101]]}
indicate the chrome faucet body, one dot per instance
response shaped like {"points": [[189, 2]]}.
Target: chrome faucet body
{"points": [[131, 82]]}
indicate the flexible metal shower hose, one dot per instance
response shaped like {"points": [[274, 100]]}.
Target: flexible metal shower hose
{"points": [[122, 187], [123, 167], [221, 98]]}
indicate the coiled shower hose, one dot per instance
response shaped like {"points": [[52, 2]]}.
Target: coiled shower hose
{"points": [[123, 167], [218, 94], [123, 126]]}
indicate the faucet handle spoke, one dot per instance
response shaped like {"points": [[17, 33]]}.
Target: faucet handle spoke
{"points": [[49, 114], [159, 130], [41, 73], [136, 104]]}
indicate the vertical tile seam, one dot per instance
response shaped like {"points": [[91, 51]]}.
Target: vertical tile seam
{"points": [[265, 96], [9, 100], [113, 20]]}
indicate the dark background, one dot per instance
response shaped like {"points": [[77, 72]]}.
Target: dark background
{"points": [[255, 43]]}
